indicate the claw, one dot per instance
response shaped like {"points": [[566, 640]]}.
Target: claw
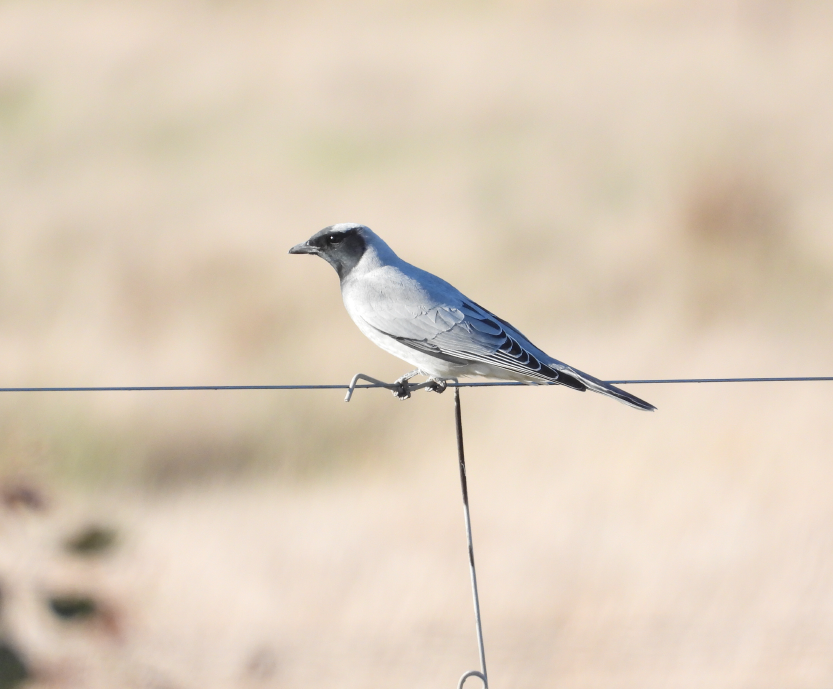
{"points": [[402, 391], [437, 385]]}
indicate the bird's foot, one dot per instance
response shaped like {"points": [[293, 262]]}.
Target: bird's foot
{"points": [[402, 389], [437, 385]]}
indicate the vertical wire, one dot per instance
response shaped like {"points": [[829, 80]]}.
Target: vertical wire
{"points": [[464, 486]]}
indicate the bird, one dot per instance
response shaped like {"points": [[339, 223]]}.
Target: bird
{"points": [[429, 323]]}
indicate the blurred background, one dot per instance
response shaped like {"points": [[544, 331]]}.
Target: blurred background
{"points": [[644, 187]]}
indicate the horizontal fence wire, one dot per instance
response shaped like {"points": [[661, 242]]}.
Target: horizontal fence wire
{"points": [[167, 388]]}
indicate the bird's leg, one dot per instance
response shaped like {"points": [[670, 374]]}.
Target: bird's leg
{"points": [[437, 385], [403, 390]]}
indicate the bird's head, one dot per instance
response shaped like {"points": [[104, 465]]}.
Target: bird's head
{"points": [[343, 246]]}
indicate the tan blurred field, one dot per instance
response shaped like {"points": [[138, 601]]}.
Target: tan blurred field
{"points": [[645, 188]]}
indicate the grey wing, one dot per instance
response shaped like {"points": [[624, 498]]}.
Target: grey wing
{"points": [[463, 332]]}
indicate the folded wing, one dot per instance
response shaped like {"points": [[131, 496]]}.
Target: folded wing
{"points": [[443, 323]]}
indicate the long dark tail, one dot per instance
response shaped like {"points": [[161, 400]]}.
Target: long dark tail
{"points": [[578, 379]]}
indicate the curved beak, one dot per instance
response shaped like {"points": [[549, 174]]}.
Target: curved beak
{"points": [[304, 248]]}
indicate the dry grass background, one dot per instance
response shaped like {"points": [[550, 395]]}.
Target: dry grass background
{"points": [[644, 187]]}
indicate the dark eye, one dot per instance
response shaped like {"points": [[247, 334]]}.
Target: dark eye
{"points": [[335, 238]]}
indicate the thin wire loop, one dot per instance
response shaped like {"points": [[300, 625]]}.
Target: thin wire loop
{"points": [[472, 673]]}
